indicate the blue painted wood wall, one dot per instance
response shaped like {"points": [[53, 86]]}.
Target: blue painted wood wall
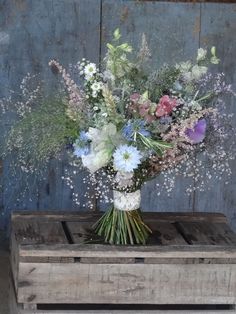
{"points": [[33, 32]]}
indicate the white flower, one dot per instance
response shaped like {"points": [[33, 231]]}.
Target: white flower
{"points": [[102, 145], [184, 66], [198, 72], [201, 54], [89, 70], [94, 94], [96, 86], [96, 160], [187, 76], [126, 158]]}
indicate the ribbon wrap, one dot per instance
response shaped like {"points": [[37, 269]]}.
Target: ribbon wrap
{"points": [[127, 201]]}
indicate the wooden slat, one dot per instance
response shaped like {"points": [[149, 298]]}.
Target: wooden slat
{"points": [[163, 233], [18, 310], [108, 251], [201, 233], [41, 311], [80, 232], [127, 284], [32, 231], [129, 312], [147, 216]]}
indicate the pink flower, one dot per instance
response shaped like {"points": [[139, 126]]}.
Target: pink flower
{"points": [[144, 111], [165, 106], [135, 97]]}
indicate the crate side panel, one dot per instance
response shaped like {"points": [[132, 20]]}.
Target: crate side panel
{"points": [[125, 283]]}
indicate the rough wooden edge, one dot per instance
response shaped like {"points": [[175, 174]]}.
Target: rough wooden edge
{"points": [[107, 251], [14, 259], [84, 216], [128, 312]]}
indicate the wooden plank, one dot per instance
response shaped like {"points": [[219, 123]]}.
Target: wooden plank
{"points": [[39, 33], [109, 251], [32, 231], [218, 29], [201, 233], [169, 43], [129, 312], [80, 232], [127, 284], [147, 216], [163, 233], [14, 259]]}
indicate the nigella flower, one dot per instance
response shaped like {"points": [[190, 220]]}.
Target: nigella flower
{"points": [[198, 133], [126, 158], [132, 128], [81, 145]]}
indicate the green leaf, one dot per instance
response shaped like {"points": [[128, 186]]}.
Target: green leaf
{"points": [[110, 47], [157, 145], [117, 34]]}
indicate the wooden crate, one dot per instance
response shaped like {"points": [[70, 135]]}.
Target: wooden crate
{"points": [[191, 260]]}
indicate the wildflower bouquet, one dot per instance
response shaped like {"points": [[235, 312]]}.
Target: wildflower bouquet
{"points": [[132, 123]]}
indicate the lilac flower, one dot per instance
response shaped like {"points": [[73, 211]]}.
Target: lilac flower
{"points": [[198, 133], [132, 128]]}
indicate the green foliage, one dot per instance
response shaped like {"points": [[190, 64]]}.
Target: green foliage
{"points": [[122, 227], [161, 82], [42, 133], [116, 60]]}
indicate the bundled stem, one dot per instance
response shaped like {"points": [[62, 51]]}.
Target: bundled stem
{"points": [[122, 227]]}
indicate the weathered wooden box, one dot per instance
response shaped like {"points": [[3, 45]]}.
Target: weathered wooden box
{"points": [[191, 259]]}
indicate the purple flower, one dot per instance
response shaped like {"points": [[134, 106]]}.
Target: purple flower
{"points": [[198, 133]]}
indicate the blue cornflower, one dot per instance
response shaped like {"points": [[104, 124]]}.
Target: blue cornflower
{"points": [[81, 145], [126, 158], [132, 128]]}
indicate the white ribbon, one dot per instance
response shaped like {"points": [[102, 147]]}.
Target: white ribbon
{"points": [[127, 201]]}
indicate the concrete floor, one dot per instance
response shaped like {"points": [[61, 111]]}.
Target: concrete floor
{"points": [[4, 281]]}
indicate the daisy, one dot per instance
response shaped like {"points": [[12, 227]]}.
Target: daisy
{"points": [[89, 70]]}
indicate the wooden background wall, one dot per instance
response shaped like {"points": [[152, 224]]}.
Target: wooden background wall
{"points": [[32, 32]]}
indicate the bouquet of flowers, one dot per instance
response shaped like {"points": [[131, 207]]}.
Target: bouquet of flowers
{"points": [[131, 123]]}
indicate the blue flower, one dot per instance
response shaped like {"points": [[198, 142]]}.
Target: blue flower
{"points": [[83, 136], [126, 158], [132, 128], [81, 151], [81, 145]]}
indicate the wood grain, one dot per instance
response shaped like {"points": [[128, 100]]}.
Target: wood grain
{"points": [[124, 283]]}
